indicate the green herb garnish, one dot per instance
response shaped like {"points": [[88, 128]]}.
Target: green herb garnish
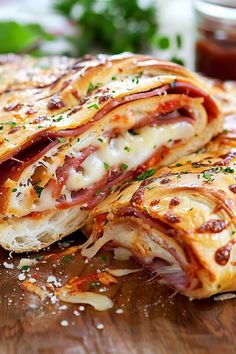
{"points": [[106, 165], [146, 174]]}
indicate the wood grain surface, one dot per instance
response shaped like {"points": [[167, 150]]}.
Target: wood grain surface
{"points": [[153, 320]]}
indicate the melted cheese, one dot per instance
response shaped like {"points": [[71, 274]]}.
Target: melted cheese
{"points": [[141, 147]]}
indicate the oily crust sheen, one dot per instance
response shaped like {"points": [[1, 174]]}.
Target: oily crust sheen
{"points": [[64, 128]]}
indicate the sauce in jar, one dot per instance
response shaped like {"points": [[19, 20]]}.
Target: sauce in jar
{"points": [[216, 42]]}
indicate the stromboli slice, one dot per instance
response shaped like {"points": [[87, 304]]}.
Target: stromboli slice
{"points": [[179, 223], [103, 120]]}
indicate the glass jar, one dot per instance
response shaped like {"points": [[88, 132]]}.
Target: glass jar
{"points": [[216, 38]]}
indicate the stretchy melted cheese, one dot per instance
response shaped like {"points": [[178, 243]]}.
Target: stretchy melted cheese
{"points": [[179, 223]]}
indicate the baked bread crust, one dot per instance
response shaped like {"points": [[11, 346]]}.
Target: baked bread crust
{"points": [[66, 130]]}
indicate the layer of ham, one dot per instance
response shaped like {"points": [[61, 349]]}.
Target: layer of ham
{"points": [[48, 139]]}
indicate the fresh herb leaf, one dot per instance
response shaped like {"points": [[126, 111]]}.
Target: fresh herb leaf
{"points": [[146, 174], [132, 132], [25, 267], [14, 190], [177, 60], [67, 259], [104, 258], [38, 190], [106, 165], [95, 106], [228, 170], [208, 176], [95, 284], [12, 124], [58, 119], [179, 41], [99, 191], [39, 257], [90, 87], [61, 140], [124, 167]]}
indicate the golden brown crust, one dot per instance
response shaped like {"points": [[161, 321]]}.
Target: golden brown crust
{"points": [[58, 113], [190, 205]]}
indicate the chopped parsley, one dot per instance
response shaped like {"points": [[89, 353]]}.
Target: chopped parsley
{"points": [[67, 259], [14, 190], [98, 192], [132, 132], [106, 165], [101, 140], [126, 148], [90, 87], [58, 119], [38, 190], [12, 124], [61, 140], [124, 167], [25, 267], [146, 174], [179, 164], [228, 170], [78, 140], [208, 176], [1, 128], [114, 78], [104, 258], [150, 187], [95, 284], [95, 106], [39, 258]]}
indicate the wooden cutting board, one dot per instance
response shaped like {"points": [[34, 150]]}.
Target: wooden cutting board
{"points": [[152, 320]]}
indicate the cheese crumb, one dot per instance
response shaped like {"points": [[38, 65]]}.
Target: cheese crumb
{"points": [[119, 311], [76, 313], [81, 308], [32, 280], [54, 281], [64, 323], [63, 307], [21, 277], [223, 297], [100, 326], [8, 265]]}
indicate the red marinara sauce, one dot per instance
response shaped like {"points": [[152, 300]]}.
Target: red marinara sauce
{"points": [[216, 41]]}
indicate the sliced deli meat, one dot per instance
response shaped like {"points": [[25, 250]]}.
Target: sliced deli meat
{"points": [[70, 135], [180, 222]]}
